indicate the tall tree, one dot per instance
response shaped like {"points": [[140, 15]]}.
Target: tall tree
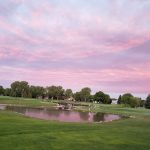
{"points": [[102, 97], [119, 100], [77, 96], [85, 93], [107, 99], [1, 90], [68, 93], [24, 88], [147, 102], [20, 89], [15, 89], [37, 91], [59, 92], [127, 98], [51, 91], [7, 92], [55, 92]]}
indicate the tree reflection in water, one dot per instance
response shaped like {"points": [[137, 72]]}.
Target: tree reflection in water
{"points": [[99, 117], [63, 115]]}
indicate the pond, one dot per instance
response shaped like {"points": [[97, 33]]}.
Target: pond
{"points": [[62, 115], [2, 107]]}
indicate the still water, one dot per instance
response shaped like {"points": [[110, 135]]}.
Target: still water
{"points": [[62, 115]]}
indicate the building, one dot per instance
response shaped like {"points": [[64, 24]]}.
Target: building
{"points": [[114, 101]]}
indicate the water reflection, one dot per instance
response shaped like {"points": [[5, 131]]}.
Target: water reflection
{"points": [[84, 116], [99, 117], [2, 107], [62, 115]]}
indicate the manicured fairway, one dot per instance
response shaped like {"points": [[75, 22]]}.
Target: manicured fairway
{"points": [[18, 132], [25, 101]]}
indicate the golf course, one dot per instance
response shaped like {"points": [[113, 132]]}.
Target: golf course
{"points": [[19, 132], [74, 74]]}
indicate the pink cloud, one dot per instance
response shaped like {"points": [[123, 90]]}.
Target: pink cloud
{"points": [[60, 43], [108, 80]]}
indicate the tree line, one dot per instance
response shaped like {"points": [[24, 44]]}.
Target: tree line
{"points": [[23, 89]]}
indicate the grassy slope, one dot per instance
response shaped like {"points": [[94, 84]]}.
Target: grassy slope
{"points": [[25, 101], [22, 133]]}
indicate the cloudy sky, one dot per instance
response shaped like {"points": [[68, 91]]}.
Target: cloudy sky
{"points": [[103, 44]]}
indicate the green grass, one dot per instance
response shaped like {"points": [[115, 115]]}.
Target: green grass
{"points": [[117, 109], [18, 132], [25, 101]]}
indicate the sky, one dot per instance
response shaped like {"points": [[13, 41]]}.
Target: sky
{"points": [[102, 44]]}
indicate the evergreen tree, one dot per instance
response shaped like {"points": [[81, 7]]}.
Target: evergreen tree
{"points": [[1, 90], [147, 102], [119, 100]]}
